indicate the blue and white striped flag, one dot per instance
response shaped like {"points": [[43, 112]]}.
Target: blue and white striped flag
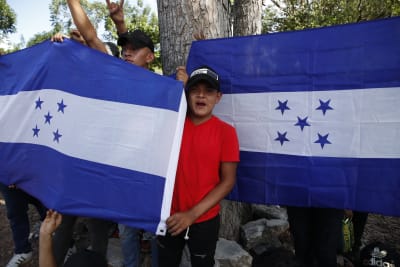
{"points": [[317, 114], [89, 134]]}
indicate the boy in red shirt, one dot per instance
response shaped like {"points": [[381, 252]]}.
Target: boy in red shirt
{"points": [[206, 173]]}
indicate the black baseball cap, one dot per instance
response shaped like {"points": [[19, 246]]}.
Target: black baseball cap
{"points": [[138, 39], [204, 73]]}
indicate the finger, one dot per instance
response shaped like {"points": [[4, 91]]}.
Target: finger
{"points": [[121, 3], [108, 3]]}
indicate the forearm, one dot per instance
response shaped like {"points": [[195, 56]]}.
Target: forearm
{"points": [[121, 27], [84, 25], [46, 257], [212, 198]]}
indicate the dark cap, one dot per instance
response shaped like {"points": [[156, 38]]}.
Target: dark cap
{"points": [[112, 49], [204, 74], [138, 39]]}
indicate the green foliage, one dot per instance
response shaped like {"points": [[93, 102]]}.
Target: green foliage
{"points": [[39, 37], [8, 19], [285, 15]]}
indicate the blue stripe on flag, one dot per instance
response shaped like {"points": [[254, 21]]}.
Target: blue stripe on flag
{"points": [[354, 56], [86, 72], [360, 184], [79, 187]]}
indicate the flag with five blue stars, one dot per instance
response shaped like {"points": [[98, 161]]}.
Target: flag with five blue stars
{"points": [[89, 134], [317, 114]]}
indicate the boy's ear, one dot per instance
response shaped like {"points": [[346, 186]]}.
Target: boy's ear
{"points": [[150, 57], [219, 96]]}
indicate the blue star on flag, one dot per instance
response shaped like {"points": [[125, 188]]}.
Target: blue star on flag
{"points": [[282, 138], [302, 122], [61, 106], [282, 106], [47, 117], [35, 131], [57, 136], [324, 106], [39, 104], [322, 140]]}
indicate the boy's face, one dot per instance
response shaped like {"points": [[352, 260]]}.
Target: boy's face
{"points": [[141, 57], [201, 100]]}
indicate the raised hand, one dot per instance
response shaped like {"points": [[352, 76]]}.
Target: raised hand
{"points": [[116, 11], [50, 223], [181, 74], [58, 37]]}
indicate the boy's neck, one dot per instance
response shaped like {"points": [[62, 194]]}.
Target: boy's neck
{"points": [[199, 120]]}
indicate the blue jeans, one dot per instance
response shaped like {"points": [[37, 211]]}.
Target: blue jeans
{"points": [[130, 244], [17, 213]]}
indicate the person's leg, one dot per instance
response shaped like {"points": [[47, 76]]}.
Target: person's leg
{"points": [[129, 237], [152, 239], [202, 242], [41, 209], [17, 208], [98, 231], [300, 223], [327, 228], [170, 250], [63, 237], [154, 251], [359, 221]]}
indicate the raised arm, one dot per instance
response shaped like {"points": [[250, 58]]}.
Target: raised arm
{"points": [[84, 26], [181, 220], [117, 15], [49, 225]]}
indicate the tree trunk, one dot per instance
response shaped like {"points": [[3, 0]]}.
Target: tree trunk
{"points": [[179, 20], [247, 16]]}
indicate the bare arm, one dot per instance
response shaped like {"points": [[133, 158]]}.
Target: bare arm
{"points": [[49, 225], [181, 74], [181, 220], [84, 26], [117, 15]]}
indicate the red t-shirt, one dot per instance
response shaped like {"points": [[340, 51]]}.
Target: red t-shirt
{"points": [[203, 148]]}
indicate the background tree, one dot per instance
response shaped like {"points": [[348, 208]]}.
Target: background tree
{"points": [[285, 15], [247, 17], [8, 19], [7, 23], [179, 20], [39, 37]]}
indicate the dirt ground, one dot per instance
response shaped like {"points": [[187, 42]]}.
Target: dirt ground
{"points": [[379, 228]]}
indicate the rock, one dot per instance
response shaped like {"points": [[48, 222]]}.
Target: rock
{"points": [[263, 232], [269, 212], [231, 254]]}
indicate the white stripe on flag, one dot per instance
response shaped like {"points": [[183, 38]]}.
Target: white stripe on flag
{"points": [[111, 133], [362, 123]]}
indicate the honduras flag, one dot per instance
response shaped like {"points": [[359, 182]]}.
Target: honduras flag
{"points": [[89, 134], [317, 114]]}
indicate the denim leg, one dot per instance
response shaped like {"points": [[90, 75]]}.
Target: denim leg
{"points": [[154, 251], [17, 208], [130, 245]]}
